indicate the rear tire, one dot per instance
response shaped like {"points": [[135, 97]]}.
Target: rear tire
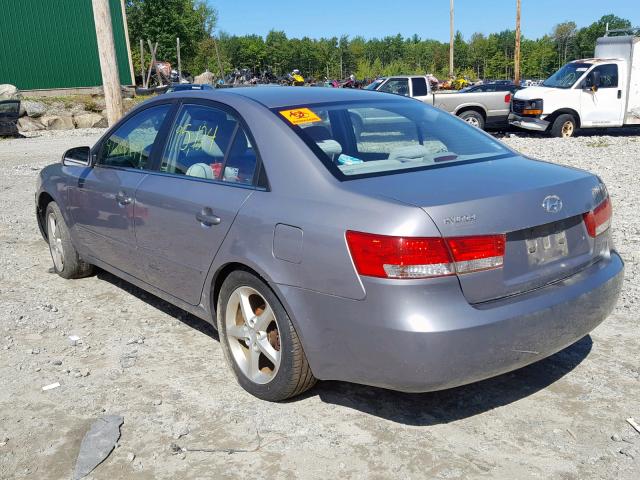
{"points": [[473, 118], [564, 126], [268, 332], [66, 260]]}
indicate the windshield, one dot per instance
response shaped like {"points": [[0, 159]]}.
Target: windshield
{"points": [[361, 139], [375, 84], [567, 76]]}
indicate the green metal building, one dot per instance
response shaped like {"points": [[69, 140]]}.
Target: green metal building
{"points": [[50, 44]]}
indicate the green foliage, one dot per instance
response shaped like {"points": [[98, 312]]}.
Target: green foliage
{"points": [[163, 21], [479, 56]]}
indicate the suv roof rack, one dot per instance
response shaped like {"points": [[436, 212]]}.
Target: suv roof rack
{"points": [[616, 32]]}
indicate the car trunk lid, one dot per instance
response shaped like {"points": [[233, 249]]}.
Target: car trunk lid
{"points": [[538, 206]]}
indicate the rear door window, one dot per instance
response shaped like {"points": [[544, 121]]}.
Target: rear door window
{"points": [[209, 143], [419, 85]]}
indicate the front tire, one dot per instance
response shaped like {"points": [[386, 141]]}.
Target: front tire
{"points": [[259, 341], [564, 126], [473, 118], [66, 260]]}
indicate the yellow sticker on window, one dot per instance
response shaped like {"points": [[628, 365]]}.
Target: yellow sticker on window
{"points": [[300, 115]]}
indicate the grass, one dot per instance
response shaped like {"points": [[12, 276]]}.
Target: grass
{"points": [[600, 143]]}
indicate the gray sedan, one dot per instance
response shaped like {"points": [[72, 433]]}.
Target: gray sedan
{"points": [[338, 234]]}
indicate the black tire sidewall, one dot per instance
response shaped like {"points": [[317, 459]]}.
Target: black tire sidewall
{"points": [[279, 387], [556, 128]]}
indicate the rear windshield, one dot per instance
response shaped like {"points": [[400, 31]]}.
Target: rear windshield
{"points": [[363, 139]]}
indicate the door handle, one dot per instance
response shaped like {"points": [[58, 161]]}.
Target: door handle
{"points": [[619, 94], [123, 199], [207, 218]]}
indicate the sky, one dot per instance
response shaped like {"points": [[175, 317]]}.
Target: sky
{"points": [[427, 18]]}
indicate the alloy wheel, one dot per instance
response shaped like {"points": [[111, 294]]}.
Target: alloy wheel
{"points": [[253, 335], [55, 242], [473, 121]]}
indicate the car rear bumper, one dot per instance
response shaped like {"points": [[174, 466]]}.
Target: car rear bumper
{"points": [[416, 337], [529, 123]]}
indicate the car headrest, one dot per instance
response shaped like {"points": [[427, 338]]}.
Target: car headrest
{"points": [[200, 170], [318, 133]]}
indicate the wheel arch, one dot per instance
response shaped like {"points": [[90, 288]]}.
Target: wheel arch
{"points": [[475, 108], [564, 111], [221, 275], [44, 199]]}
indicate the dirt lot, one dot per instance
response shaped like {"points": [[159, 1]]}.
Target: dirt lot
{"points": [[163, 370]]}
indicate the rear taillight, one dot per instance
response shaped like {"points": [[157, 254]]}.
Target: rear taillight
{"points": [[507, 98], [477, 253], [598, 220], [423, 257]]}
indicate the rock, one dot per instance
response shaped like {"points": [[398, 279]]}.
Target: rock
{"points": [[32, 109], [57, 362], [58, 122], [131, 457], [157, 401], [206, 77], [90, 120], [627, 452], [9, 92], [97, 444], [180, 430], [28, 124], [616, 438]]}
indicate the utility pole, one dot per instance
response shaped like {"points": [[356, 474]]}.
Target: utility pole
{"points": [[516, 56], [108, 60], [451, 40]]}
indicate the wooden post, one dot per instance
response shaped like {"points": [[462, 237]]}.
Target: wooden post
{"points": [[215, 45], [108, 60], [142, 70], [123, 9], [516, 56], [179, 64], [451, 74]]}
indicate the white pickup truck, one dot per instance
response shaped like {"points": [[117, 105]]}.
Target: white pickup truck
{"points": [[482, 106], [590, 93]]}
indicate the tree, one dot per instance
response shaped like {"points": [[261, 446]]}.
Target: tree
{"points": [[585, 39], [563, 34], [163, 21]]}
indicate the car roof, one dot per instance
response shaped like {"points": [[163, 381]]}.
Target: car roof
{"points": [[273, 97], [276, 96]]}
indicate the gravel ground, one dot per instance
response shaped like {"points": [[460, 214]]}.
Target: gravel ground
{"points": [[163, 370]]}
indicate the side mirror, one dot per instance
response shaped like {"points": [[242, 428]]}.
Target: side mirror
{"points": [[78, 156]]}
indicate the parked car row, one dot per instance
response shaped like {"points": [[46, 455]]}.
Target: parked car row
{"points": [[590, 93], [482, 106]]}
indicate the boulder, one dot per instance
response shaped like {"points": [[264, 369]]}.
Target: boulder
{"points": [[28, 124], [58, 122], [32, 109], [90, 120], [9, 92], [204, 78]]}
